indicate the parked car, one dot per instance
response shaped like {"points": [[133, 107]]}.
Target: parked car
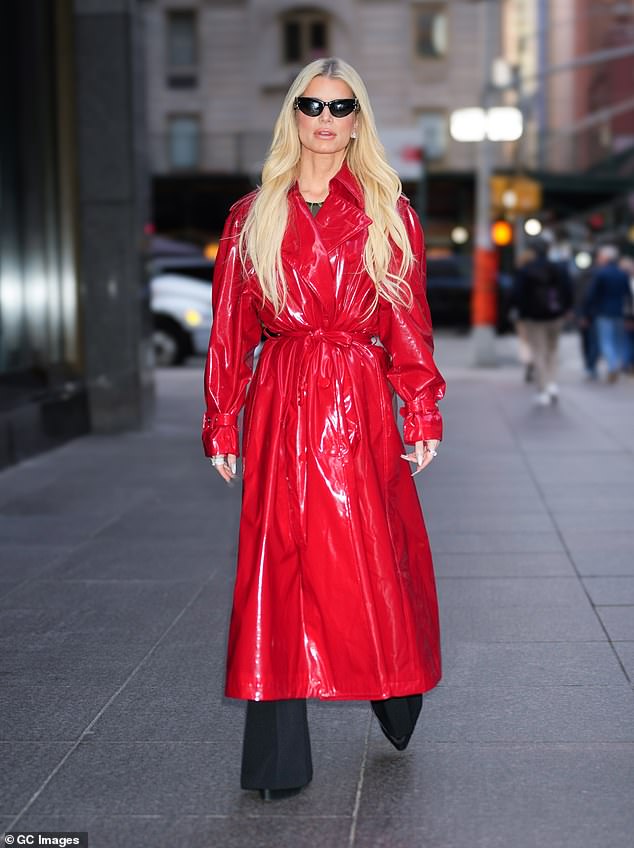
{"points": [[180, 289], [180, 297], [181, 311], [449, 286]]}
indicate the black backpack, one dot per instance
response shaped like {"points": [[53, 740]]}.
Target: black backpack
{"points": [[545, 291]]}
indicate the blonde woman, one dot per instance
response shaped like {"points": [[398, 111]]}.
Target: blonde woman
{"points": [[335, 595]]}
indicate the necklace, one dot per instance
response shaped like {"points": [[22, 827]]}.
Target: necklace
{"points": [[315, 206]]}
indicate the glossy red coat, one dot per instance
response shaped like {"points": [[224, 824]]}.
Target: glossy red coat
{"points": [[335, 596]]}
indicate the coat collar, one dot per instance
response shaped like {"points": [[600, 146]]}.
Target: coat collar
{"points": [[341, 218], [343, 183]]}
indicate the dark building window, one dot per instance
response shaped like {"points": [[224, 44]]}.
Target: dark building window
{"points": [[430, 30], [183, 141], [304, 36], [182, 54]]}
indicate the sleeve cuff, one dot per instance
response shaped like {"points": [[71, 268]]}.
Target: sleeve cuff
{"points": [[220, 434], [421, 422]]}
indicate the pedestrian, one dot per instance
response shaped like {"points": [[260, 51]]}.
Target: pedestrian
{"points": [[607, 301], [335, 596], [627, 264], [544, 297], [587, 326], [524, 350]]}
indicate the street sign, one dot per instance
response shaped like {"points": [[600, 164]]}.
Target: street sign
{"points": [[516, 194], [404, 149]]}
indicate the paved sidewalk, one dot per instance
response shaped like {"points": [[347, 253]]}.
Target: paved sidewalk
{"points": [[117, 558]]}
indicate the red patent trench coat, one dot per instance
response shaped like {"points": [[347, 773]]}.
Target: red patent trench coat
{"points": [[335, 596]]}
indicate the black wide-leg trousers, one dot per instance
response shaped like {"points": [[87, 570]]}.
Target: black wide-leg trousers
{"points": [[276, 750]]}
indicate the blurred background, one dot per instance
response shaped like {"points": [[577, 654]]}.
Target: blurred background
{"points": [[129, 128]]}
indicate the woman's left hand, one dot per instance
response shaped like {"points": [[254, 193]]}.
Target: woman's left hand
{"points": [[424, 452]]}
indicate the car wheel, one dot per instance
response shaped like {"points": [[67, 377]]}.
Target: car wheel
{"points": [[171, 345]]}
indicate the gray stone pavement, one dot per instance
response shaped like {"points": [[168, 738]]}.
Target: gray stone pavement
{"points": [[115, 588]]}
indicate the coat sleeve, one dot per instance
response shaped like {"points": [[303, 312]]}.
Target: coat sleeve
{"points": [[408, 339], [235, 332]]}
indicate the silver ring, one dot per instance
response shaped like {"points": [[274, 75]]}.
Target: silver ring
{"points": [[434, 453]]}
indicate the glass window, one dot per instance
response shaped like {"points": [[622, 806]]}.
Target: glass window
{"points": [[184, 142], [305, 36], [181, 40], [434, 127], [292, 41], [318, 35], [430, 30]]}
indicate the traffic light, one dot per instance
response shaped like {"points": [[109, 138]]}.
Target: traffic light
{"points": [[501, 233]]}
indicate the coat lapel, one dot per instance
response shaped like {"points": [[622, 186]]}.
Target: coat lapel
{"points": [[309, 241], [342, 216]]}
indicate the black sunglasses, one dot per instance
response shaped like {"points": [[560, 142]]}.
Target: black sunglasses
{"points": [[313, 106]]}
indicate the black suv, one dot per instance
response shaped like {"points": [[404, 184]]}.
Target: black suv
{"points": [[449, 286]]}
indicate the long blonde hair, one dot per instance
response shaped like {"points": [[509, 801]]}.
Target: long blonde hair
{"points": [[263, 231]]}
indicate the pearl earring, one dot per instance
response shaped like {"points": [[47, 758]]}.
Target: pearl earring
{"points": [[353, 134]]}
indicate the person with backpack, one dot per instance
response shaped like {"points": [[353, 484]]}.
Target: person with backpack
{"points": [[544, 297]]}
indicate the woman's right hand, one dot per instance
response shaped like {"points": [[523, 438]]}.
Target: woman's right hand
{"points": [[228, 468]]}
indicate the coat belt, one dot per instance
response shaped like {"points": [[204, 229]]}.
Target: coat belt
{"points": [[313, 342]]}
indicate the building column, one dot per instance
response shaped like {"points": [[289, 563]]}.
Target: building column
{"points": [[113, 206]]}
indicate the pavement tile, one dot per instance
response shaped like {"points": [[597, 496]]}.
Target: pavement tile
{"points": [[567, 502], [70, 496], [26, 477], [193, 778], [488, 521], [497, 796], [511, 591], [441, 503], [102, 604], [465, 623], [509, 541], [610, 590], [534, 713], [595, 563], [25, 766], [8, 586], [189, 707], [605, 543], [530, 664], [57, 530], [259, 830], [582, 470], [561, 490], [189, 520], [603, 522], [502, 565], [625, 650], [143, 559], [619, 622], [50, 709], [22, 562], [68, 655]]}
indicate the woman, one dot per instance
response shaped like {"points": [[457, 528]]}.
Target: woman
{"points": [[334, 595]]}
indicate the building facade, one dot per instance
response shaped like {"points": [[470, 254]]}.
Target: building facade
{"points": [[578, 112], [217, 73]]}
